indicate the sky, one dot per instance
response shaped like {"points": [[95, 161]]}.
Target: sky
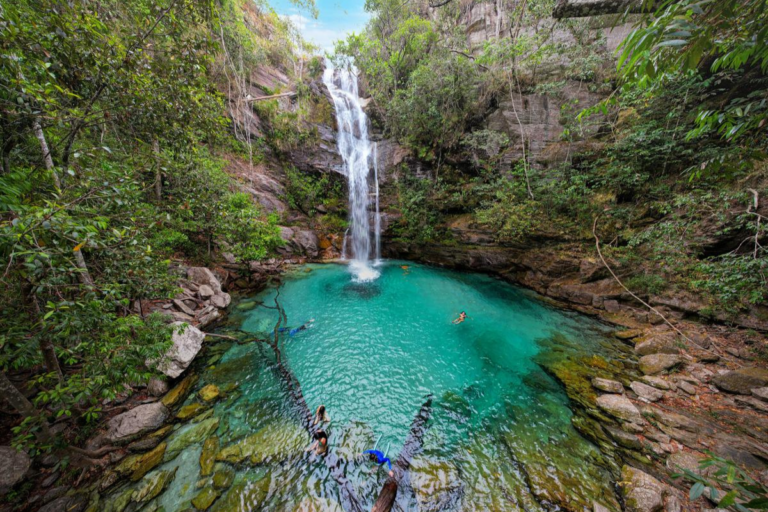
{"points": [[337, 19]]}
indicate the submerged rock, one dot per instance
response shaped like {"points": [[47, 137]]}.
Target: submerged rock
{"points": [[275, 442], [209, 393], [742, 381], [187, 342], [208, 456], [205, 498], [189, 435], [14, 465], [146, 462], [223, 477], [152, 485], [620, 407], [436, 482], [139, 420], [244, 496], [656, 363], [190, 411]]}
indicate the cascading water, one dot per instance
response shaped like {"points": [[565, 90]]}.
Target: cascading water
{"points": [[356, 151]]}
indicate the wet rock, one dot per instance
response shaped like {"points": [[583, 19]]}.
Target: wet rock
{"points": [[157, 387], [275, 442], [642, 492], [187, 342], [189, 435], [140, 465], [656, 363], [628, 334], [153, 485], [646, 392], [137, 421], [209, 393], [208, 455], [620, 407], [143, 445], [14, 465], [221, 300], [662, 344], [205, 498], [244, 496], [607, 385], [623, 438], [190, 411], [657, 382], [203, 276], [180, 391], [742, 381]]}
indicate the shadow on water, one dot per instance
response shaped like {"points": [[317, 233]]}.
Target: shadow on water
{"points": [[366, 291]]}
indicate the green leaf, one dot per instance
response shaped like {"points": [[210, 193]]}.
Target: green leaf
{"points": [[697, 490]]}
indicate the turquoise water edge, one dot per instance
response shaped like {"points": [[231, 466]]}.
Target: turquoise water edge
{"points": [[500, 435]]}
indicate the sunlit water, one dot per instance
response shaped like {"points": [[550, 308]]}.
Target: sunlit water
{"points": [[500, 435]]}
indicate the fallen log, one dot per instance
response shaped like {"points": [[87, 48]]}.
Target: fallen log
{"points": [[274, 96], [412, 446], [583, 8]]}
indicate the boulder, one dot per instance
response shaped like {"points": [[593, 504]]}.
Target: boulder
{"points": [[205, 291], [183, 307], [663, 344], [609, 386], [139, 420], [656, 363], [157, 387], [307, 242], [646, 392], [186, 344], [657, 382], [623, 438], [14, 465], [761, 393], [221, 300], [620, 407], [642, 492], [742, 381], [687, 387], [204, 276]]}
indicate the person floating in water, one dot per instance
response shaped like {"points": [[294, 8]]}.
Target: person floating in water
{"points": [[321, 416], [380, 459], [320, 446], [462, 317], [291, 331]]}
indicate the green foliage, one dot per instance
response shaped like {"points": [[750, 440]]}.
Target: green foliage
{"points": [[420, 217], [716, 475], [305, 192], [734, 282], [248, 237]]}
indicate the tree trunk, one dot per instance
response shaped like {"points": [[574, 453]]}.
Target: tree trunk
{"points": [[49, 356], [46, 152], [19, 402], [158, 172], [84, 275], [582, 8]]}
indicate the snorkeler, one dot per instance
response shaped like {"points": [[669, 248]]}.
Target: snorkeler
{"points": [[306, 325], [321, 416], [321, 443], [462, 317], [380, 459]]}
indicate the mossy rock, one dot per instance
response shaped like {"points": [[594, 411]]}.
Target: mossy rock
{"points": [[119, 502], [153, 485], [275, 442], [244, 496], [223, 477], [190, 411], [208, 456], [209, 393], [161, 432], [205, 498], [436, 483], [180, 391], [140, 464], [189, 435]]}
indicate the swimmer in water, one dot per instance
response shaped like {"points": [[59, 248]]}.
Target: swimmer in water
{"points": [[320, 446], [321, 416], [380, 459], [462, 317]]}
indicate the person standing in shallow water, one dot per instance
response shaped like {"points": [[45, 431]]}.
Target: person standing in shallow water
{"points": [[320, 446], [321, 416]]}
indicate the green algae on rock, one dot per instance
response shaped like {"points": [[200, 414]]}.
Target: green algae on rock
{"points": [[208, 455], [190, 410], [179, 391], [189, 435], [152, 485], [276, 441], [205, 498], [209, 393], [243, 496]]}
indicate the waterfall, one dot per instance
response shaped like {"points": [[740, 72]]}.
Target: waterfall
{"points": [[377, 218], [356, 152]]}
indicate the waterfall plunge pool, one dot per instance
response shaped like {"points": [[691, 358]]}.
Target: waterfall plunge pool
{"points": [[499, 437]]}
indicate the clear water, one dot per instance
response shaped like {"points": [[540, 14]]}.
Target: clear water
{"points": [[500, 435]]}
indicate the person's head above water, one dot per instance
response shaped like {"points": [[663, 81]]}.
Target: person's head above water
{"points": [[320, 411]]}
